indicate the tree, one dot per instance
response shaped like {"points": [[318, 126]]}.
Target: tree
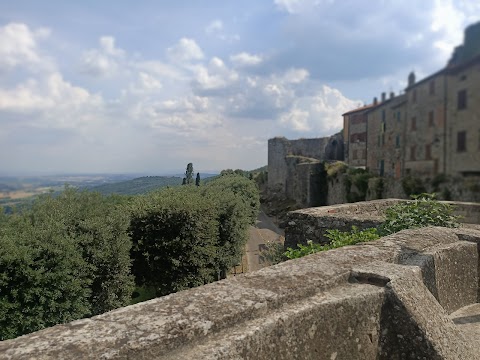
{"points": [[188, 179], [197, 180], [65, 258], [174, 233], [237, 200]]}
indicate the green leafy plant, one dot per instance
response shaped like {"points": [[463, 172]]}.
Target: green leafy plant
{"points": [[337, 239], [424, 210], [413, 186], [273, 253]]}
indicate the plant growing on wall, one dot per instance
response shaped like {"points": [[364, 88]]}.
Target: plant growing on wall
{"points": [[337, 239], [424, 210]]}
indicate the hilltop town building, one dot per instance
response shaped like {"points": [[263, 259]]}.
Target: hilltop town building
{"points": [[433, 128]]}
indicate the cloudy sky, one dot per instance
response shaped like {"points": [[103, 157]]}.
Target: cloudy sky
{"points": [[148, 86]]}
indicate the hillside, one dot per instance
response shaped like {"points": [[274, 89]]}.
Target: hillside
{"points": [[137, 186]]}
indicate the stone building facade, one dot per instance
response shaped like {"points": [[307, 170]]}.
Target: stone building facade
{"points": [[355, 135], [433, 128]]}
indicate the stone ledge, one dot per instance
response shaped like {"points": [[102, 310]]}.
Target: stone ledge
{"points": [[306, 308]]}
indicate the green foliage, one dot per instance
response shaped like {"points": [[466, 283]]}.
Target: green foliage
{"points": [[413, 186], [337, 239], [237, 204], [242, 186], [188, 179], [422, 211], [356, 184], [438, 180], [335, 168], [43, 277], [273, 253], [138, 186], [67, 257], [174, 233]]}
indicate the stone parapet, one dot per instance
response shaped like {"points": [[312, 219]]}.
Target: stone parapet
{"points": [[387, 299], [311, 224]]}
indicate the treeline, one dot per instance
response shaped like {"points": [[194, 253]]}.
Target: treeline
{"points": [[79, 254]]}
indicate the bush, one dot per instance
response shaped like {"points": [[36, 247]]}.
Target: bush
{"points": [[98, 225], [174, 233], [337, 239], [356, 184], [232, 214], [243, 187], [65, 258], [422, 211], [413, 186], [273, 253]]}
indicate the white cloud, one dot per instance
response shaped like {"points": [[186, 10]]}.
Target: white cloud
{"points": [[215, 76], [245, 59], [295, 76], [296, 120], [18, 47], [214, 26], [299, 6], [450, 19], [104, 61], [217, 29], [50, 101], [319, 113], [186, 50]]}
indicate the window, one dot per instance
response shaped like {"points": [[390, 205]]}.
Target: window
{"points": [[431, 119], [414, 123], [428, 152], [462, 100], [383, 115], [414, 96], [431, 87], [461, 141], [383, 126], [399, 116], [413, 149], [397, 141]]}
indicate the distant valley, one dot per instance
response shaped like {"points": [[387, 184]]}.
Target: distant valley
{"points": [[15, 190]]}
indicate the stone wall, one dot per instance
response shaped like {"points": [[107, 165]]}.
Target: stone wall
{"points": [[311, 224], [293, 165], [393, 298]]}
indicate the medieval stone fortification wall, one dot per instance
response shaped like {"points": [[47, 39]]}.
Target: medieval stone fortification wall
{"points": [[293, 164], [411, 295]]}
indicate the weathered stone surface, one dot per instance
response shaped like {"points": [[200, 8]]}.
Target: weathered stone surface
{"points": [[312, 223], [387, 299]]}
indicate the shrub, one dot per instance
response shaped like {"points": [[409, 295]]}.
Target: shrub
{"points": [[65, 258], [232, 214], [98, 225], [273, 253], [422, 211], [337, 239], [174, 233], [243, 187], [356, 184], [413, 186]]}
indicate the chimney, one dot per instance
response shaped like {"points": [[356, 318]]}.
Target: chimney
{"points": [[375, 102], [411, 79], [392, 94], [384, 96]]}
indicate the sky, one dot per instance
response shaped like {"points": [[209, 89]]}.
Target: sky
{"points": [[148, 86]]}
